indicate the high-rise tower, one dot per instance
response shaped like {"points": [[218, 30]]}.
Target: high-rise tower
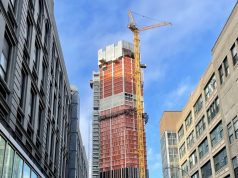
{"points": [[117, 112]]}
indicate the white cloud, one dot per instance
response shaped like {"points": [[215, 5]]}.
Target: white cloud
{"points": [[176, 97]]}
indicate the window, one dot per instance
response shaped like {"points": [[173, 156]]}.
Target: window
{"points": [[190, 140], [2, 150], [226, 66], [230, 133], [172, 138], [11, 164], [23, 88], [184, 168], [182, 150], [4, 58], [47, 33], [26, 171], [173, 154], [235, 123], [234, 54], [57, 152], [36, 56], [234, 162], [12, 2], [43, 75], [33, 175], [39, 121], [196, 175], [27, 33], [39, 11], [59, 118], [213, 110], [216, 134], [50, 95], [203, 148], [221, 74], [181, 133], [53, 58], [17, 167], [206, 170], [198, 105], [210, 87], [188, 120], [200, 127], [54, 105], [193, 159], [8, 161], [47, 136], [52, 146], [31, 107], [220, 159]]}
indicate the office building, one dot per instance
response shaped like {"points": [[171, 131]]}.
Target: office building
{"points": [[35, 95], [207, 127]]}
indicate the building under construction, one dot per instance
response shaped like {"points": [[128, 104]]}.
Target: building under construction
{"points": [[117, 120]]}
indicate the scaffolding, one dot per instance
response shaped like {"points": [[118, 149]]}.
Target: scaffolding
{"points": [[118, 116]]}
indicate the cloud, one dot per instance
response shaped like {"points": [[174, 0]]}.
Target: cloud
{"points": [[176, 97]]}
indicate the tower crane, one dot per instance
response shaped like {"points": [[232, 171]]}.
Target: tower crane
{"points": [[137, 77]]}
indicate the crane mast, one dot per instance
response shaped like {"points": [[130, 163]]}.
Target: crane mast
{"points": [[139, 106], [138, 83]]}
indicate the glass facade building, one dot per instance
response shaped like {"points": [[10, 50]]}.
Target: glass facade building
{"points": [[170, 155]]}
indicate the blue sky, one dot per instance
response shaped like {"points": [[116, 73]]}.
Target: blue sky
{"points": [[176, 56]]}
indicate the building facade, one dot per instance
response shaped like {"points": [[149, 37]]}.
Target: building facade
{"points": [[95, 85], [77, 165], [169, 150], [207, 127], [117, 118], [35, 95]]}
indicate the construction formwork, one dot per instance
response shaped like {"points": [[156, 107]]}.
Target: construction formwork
{"points": [[118, 122]]}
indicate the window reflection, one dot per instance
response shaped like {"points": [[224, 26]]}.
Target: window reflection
{"points": [[26, 171], [33, 175], [8, 162], [17, 168], [2, 149], [11, 163]]}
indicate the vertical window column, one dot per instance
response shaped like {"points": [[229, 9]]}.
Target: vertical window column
{"points": [[221, 74], [23, 88], [8, 162], [39, 121], [235, 123], [4, 60], [226, 67], [234, 54], [31, 107], [2, 151], [220, 159]]}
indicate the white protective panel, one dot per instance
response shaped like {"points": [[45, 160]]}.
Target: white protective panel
{"points": [[112, 101], [114, 51]]}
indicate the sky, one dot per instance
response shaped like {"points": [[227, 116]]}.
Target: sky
{"points": [[176, 56]]}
